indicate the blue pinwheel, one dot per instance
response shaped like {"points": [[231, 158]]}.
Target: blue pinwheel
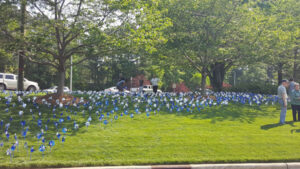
{"points": [[64, 130], [58, 135], [39, 123], [31, 151], [51, 144], [24, 133], [105, 122], [23, 123], [39, 136], [15, 136], [42, 149], [56, 124], [13, 148], [7, 135]]}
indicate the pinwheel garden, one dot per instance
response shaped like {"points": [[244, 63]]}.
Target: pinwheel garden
{"points": [[117, 129]]}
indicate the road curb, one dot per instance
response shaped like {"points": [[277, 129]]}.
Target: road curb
{"points": [[242, 166], [293, 165], [206, 166]]}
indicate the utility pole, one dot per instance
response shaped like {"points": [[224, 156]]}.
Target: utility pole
{"points": [[71, 73], [22, 51], [234, 78]]}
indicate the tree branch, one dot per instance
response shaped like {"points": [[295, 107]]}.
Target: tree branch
{"points": [[41, 63], [192, 62], [34, 4]]}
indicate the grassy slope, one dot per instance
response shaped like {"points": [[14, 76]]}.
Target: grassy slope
{"points": [[232, 133]]}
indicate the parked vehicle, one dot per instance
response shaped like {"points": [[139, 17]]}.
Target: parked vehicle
{"points": [[207, 91], [54, 89], [114, 90], [146, 89], [10, 82], [135, 89]]}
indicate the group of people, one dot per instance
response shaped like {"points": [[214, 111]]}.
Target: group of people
{"points": [[292, 96], [154, 82]]}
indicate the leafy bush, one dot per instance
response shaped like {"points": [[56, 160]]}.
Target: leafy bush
{"points": [[257, 87]]}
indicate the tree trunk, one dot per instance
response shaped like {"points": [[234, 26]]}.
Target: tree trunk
{"points": [[203, 81], [217, 76], [22, 50], [61, 80], [296, 70], [279, 71]]}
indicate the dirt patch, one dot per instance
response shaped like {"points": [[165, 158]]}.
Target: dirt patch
{"points": [[65, 99]]}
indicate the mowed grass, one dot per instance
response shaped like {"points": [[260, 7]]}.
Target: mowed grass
{"points": [[233, 133]]}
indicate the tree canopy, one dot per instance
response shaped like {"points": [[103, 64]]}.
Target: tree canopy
{"points": [[199, 42]]}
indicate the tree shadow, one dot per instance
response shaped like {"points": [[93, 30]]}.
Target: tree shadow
{"points": [[274, 125], [234, 112]]}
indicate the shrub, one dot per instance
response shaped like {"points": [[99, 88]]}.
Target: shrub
{"points": [[258, 87]]}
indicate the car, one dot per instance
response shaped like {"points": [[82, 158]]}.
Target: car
{"points": [[111, 90], [9, 81], [149, 89], [54, 89], [207, 91], [114, 90]]}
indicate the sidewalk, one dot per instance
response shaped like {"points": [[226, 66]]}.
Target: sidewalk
{"points": [[206, 166]]}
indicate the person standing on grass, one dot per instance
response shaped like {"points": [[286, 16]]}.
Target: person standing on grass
{"points": [[295, 101], [154, 82], [291, 86], [282, 95]]}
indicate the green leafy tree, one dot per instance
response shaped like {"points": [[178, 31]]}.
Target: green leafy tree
{"points": [[211, 35], [62, 29]]}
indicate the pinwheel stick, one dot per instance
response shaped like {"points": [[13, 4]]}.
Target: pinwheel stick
{"points": [[30, 155]]}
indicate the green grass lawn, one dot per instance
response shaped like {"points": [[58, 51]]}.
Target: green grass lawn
{"points": [[233, 133]]}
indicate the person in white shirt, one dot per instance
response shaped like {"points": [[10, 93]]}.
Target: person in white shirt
{"points": [[282, 95], [154, 82]]}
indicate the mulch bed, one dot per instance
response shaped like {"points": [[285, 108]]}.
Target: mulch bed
{"points": [[65, 99]]}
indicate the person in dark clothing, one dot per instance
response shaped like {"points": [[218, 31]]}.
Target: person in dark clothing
{"points": [[295, 102], [141, 86], [154, 82], [120, 85]]}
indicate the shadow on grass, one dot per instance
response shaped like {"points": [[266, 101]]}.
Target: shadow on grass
{"points": [[234, 112], [270, 126], [295, 131]]}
